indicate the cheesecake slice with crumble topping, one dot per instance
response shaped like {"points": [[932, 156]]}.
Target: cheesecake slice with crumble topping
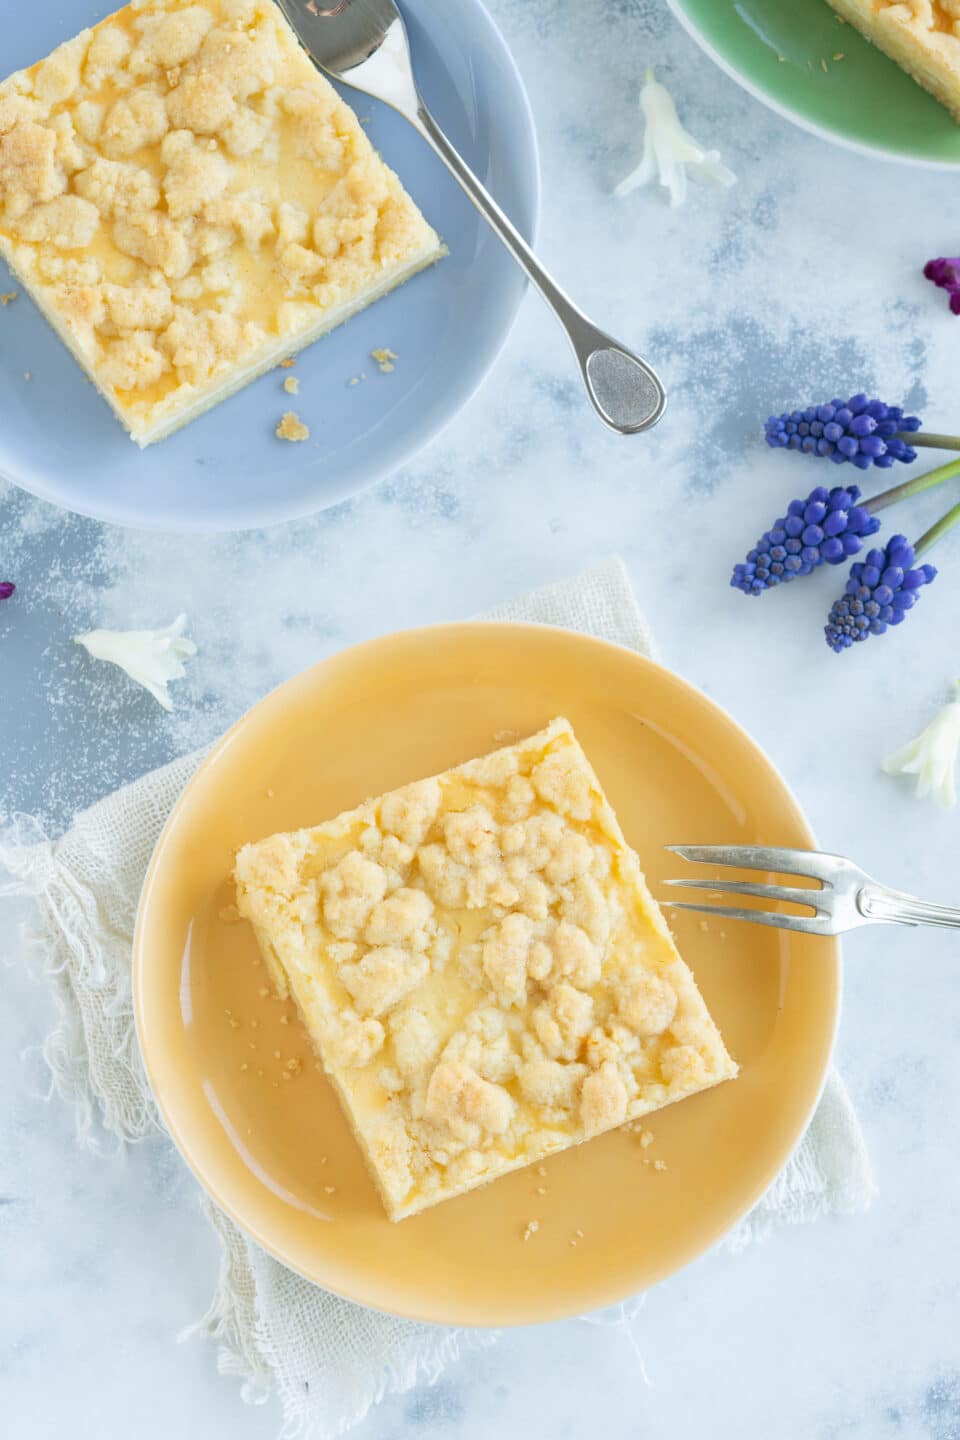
{"points": [[188, 201], [923, 36], [483, 972]]}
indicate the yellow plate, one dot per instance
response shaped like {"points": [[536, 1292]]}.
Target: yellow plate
{"points": [[277, 1155]]}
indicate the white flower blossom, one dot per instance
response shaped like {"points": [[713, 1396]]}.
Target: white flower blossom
{"points": [[670, 153], [151, 657], [932, 757]]}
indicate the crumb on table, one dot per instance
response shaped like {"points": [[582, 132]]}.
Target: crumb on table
{"points": [[384, 359], [9, 297], [288, 364], [292, 428], [292, 385], [531, 1229]]}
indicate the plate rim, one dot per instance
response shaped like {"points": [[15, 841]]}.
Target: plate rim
{"points": [[266, 516], [796, 117], [550, 1311]]}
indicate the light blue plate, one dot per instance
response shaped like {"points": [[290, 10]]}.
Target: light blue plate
{"points": [[227, 471]]}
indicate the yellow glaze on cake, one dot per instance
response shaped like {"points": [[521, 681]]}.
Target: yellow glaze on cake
{"points": [[481, 968], [188, 200], [921, 35]]}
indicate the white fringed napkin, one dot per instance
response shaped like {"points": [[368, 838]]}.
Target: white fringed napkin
{"points": [[329, 1360]]}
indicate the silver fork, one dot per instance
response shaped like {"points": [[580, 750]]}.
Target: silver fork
{"points": [[364, 43], [846, 898]]}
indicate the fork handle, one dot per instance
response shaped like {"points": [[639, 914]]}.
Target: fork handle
{"points": [[876, 902], [626, 392]]}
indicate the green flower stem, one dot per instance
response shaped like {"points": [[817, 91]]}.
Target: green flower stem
{"points": [[929, 439], [916, 486], [937, 532]]}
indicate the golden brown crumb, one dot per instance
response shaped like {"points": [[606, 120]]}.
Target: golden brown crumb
{"points": [[541, 1189], [384, 359], [270, 793], [646, 1138], [579, 1234], [288, 364], [532, 1227], [323, 1159], [541, 1169], [659, 1164], [292, 385], [9, 297], [284, 1019], [294, 1066], [840, 55], [234, 1024], [254, 1024], [292, 428], [329, 1189], [823, 65]]}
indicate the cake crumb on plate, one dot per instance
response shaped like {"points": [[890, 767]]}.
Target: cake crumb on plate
{"points": [[292, 428]]}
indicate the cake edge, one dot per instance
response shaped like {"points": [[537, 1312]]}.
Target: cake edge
{"points": [[942, 81]]}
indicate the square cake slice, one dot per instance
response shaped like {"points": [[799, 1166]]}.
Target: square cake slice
{"points": [[189, 201], [481, 968], [923, 36]]}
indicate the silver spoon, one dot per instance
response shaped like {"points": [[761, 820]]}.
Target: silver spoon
{"points": [[364, 43]]}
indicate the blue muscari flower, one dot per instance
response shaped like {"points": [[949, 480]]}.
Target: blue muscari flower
{"points": [[880, 592], [860, 431], [829, 526]]}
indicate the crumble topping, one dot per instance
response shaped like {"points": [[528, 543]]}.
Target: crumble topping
{"points": [[482, 969], [384, 359], [182, 193], [291, 427]]}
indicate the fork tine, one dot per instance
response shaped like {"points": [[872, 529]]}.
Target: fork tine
{"points": [[791, 893], [761, 857], [808, 924]]}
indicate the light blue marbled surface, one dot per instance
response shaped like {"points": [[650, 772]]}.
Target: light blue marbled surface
{"points": [[802, 281]]}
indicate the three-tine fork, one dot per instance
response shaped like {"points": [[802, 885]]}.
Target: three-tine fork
{"points": [[364, 43], [845, 899]]}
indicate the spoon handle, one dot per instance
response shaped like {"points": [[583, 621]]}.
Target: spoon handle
{"points": [[626, 392]]}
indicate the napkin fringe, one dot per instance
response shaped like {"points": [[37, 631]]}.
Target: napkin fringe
{"points": [[62, 949], [409, 1370]]}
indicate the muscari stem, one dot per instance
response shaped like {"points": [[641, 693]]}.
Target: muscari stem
{"points": [[916, 486], [929, 439], [936, 532]]}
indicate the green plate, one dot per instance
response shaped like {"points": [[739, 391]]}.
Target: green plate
{"points": [[774, 49]]}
